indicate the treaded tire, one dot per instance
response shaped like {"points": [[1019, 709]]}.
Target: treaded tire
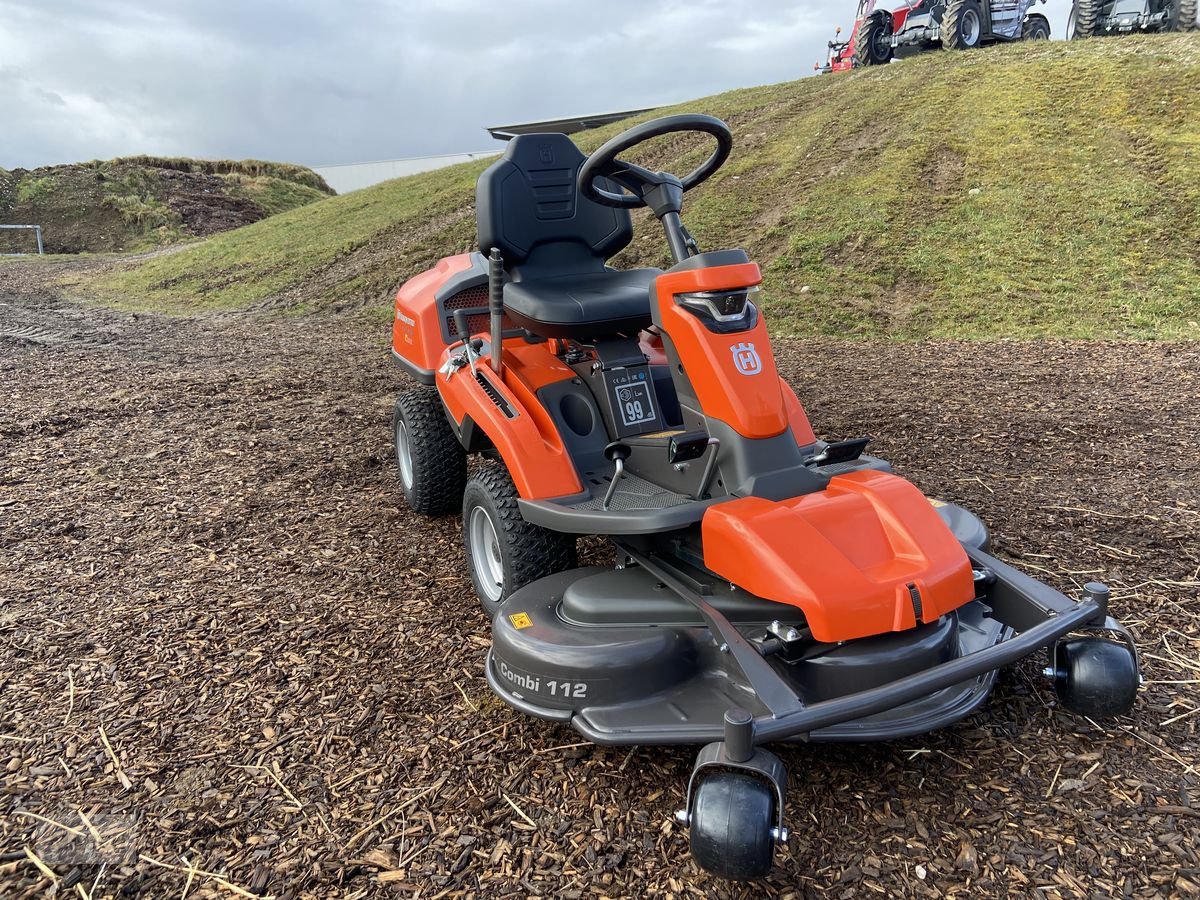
{"points": [[730, 830], [1035, 28], [867, 49], [437, 472], [1185, 15], [956, 20], [522, 552], [1087, 14]]}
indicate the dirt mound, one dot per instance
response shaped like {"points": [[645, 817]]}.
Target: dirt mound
{"points": [[141, 202]]}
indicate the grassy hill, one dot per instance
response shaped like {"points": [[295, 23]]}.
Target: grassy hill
{"points": [[138, 202], [1046, 189]]}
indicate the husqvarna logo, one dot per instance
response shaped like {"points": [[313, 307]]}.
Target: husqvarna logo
{"points": [[746, 358]]}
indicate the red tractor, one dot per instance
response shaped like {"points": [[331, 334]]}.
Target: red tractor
{"points": [[880, 35], [840, 57]]}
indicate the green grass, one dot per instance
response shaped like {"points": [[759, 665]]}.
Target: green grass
{"points": [[251, 168], [274, 195], [33, 190], [1040, 190]]}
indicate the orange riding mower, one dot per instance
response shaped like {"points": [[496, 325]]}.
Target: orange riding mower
{"points": [[766, 586]]}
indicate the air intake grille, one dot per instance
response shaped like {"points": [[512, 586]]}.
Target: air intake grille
{"points": [[465, 299], [495, 395]]}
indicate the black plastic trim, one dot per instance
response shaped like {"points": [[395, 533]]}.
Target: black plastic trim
{"points": [[425, 376]]}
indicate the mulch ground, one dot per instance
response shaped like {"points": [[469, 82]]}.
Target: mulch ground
{"points": [[233, 663]]}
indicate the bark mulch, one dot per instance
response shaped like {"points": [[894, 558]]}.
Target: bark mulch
{"points": [[232, 663]]}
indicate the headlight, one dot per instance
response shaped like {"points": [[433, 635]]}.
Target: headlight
{"points": [[720, 306]]}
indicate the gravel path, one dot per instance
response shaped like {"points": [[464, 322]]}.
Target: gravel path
{"points": [[225, 644]]}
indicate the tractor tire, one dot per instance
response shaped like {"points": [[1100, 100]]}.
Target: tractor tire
{"points": [[871, 47], [504, 552], [962, 25], [431, 463], [1036, 28], [1185, 16], [1087, 14]]}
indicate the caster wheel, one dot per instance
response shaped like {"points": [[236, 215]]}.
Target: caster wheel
{"points": [[731, 822], [1095, 677]]}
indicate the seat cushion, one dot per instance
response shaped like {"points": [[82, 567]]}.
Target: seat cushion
{"points": [[582, 306]]}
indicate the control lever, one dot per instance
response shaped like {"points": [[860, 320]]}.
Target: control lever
{"points": [[616, 453], [470, 348]]}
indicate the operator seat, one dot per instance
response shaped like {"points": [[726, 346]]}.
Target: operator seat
{"points": [[555, 243]]}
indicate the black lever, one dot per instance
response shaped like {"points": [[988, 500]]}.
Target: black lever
{"points": [[616, 453]]}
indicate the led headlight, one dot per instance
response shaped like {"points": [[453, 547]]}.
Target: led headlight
{"points": [[723, 311]]}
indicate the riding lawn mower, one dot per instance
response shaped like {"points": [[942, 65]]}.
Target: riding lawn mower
{"points": [[766, 586]]}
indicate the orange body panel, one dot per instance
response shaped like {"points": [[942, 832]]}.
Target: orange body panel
{"points": [[416, 327], [749, 402], [797, 417], [529, 444], [845, 556]]}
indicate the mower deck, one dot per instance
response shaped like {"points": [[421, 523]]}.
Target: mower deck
{"points": [[647, 654]]}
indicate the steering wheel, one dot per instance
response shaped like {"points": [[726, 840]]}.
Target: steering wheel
{"points": [[641, 182]]}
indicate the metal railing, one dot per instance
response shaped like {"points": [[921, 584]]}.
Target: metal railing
{"points": [[37, 231]]}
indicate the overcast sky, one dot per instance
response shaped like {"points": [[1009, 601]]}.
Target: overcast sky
{"points": [[341, 81]]}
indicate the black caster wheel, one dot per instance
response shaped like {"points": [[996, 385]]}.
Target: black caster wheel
{"points": [[731, 826], [1095, 677]]}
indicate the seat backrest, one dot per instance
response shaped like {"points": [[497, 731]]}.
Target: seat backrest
{"points": [[527, 204]]}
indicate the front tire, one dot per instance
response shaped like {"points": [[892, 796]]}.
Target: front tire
{"points": [[962, 25], [504, 552], [730, 827], [430, 461], [1035, 29], [871, 44]]}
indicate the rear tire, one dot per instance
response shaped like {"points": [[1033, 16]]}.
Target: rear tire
{"points": [[1086, 14], [962, 25], [1035, 28], [504, 552], [431, 463], [871, 45]]}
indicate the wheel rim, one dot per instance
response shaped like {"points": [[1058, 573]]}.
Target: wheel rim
{"points": [[485, 554], [404, 454], [881, 44], [970, 27]]}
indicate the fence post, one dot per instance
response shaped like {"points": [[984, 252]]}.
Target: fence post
{"points": [[37, 230]]}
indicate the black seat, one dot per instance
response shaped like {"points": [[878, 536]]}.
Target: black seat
{"points": [[556, 242]]}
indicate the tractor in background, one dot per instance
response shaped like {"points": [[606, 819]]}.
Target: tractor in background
{"points": [[1101, 18], [951, 24], [840, 57]]}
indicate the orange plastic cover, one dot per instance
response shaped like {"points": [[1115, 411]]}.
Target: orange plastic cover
{"points": [[846, 556]]}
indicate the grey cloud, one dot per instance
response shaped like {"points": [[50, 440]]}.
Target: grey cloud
{"points": [[321, 82]]}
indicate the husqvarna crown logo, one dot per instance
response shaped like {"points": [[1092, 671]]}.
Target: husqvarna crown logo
{"points": [[746, 358]]}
